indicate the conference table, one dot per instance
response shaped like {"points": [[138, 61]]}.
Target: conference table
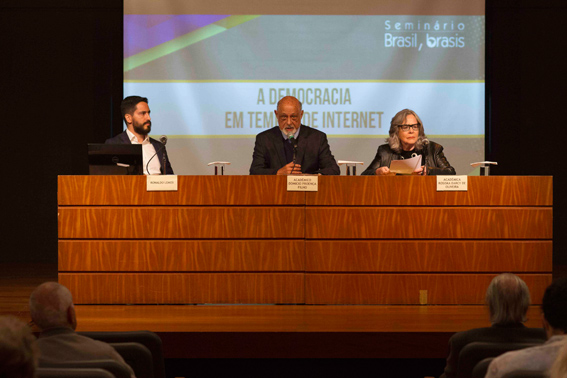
{"points": [[358, 240]]}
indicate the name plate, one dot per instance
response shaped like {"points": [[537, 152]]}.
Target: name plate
{"points": [[452, 183], [302, 183], [161, 183]]}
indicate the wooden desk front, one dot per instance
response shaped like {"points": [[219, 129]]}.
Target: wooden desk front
{"points": [[245, 239]]}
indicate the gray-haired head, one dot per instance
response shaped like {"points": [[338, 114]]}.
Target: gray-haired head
{"points": [[51, 306], [508, 299], [400, 119]]}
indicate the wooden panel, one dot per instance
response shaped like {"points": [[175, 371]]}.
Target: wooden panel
{"points": [[405, 288], [182, 255], [158, 288], [428, 256], [181, 222], [177, 318], [428, 223], [193, 190], [422, 191]]}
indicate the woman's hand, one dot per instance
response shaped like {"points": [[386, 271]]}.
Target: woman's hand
{"points": [[384, 171], [420, 171]]}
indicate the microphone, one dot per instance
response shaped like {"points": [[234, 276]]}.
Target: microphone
{"points": [[293, 142], [163, 140], [424, 155]]}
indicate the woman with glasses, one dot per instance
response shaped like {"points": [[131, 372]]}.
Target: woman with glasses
{"points": [[407, 139]]}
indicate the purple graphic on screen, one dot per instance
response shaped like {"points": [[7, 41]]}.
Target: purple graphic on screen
{"points": [[142, 31]]}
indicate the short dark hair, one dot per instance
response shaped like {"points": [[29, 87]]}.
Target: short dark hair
{"points": [[554, 304], [128, 105]]}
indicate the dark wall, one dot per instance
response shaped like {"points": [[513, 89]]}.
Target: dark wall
{"points": [[63, 87], [62, 82], [525, 90]]}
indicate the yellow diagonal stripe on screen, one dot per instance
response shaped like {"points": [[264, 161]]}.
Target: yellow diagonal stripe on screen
{"points": [[184, 41]]}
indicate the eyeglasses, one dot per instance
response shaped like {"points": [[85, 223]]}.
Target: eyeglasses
{"points": [[415, 127]]}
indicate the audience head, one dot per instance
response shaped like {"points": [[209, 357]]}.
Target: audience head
{"points": [[51, 306], [554, 307], [18, 351], [508, 299]]}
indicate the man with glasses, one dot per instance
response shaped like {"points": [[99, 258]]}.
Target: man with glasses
{"points": [[292, 148], [407, 140]]}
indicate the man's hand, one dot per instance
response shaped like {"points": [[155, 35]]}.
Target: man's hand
{"points": [[290, 169], [384, 171]]}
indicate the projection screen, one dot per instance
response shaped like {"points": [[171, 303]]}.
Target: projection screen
{"points": [[214, 70]]}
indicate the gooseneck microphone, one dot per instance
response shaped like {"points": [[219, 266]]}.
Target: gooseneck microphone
{"points": [[424, 155], [163, 141], [293, 142]]}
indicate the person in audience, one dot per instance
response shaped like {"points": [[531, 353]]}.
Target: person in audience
{"points": [[18, 352], [52, 310], [136, 115], [407, 140], [539, 359], [274, 150], [559, 367], [508, 300]]}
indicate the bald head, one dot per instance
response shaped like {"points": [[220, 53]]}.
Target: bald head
{"points": [[51, 306], [289, 100], [508, 299]]}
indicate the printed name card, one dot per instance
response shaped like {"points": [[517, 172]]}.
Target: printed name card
{"points": [[452, 183], [297, 183], [161, 183]]}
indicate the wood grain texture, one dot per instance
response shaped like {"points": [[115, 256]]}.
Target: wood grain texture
{"points": [[428, 223], [289, 318], [403, 289], [172, 288], [192, 190], [422, 191], [428, 256], [180, 222], [182, 255]]}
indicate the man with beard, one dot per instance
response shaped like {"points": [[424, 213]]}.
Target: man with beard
{"points": [[136, 115], [292, 148]]}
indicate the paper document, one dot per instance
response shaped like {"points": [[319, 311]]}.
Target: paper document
{"points": [[406, 166], [219, 163]]}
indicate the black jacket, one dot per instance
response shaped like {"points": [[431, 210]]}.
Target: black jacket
{"points": [[435, 160]]}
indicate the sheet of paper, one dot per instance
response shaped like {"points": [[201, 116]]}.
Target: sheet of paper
{"points": [[407, 166]]}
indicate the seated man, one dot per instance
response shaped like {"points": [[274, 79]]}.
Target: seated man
{"points": [[508, 300], [540, 358], [136, 115], [274, 151], [18, 352], [52, 310]]}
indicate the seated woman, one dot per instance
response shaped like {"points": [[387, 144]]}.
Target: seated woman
{"points": [[407, 139]]}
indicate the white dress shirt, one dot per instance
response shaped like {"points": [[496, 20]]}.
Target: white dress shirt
{"points": [[148, 151]]}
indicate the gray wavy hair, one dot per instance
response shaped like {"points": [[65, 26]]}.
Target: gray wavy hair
{"points": [[399, 119], [508, 299]]}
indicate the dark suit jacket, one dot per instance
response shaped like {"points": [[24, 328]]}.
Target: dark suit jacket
{"points": [[313, 152], [435, 160], [122, 138], [514, 333]]}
